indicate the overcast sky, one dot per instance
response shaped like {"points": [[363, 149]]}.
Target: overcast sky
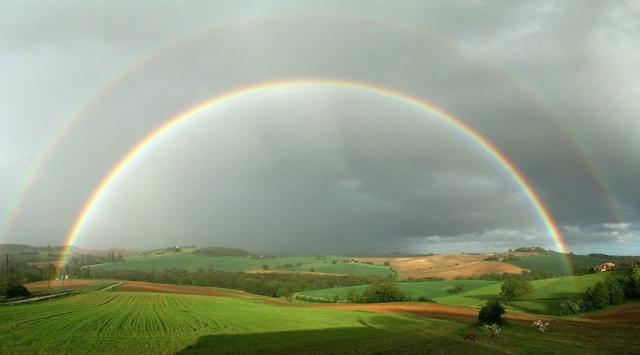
{"points": [[554, 85]]}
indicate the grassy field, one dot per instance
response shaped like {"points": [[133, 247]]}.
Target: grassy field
{"points": [[121, 322], [152, 323], [427, 289], [190, 261], [545, 299], [555, 262]]}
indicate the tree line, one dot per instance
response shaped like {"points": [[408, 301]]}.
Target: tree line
{"points": [[266, 284]]}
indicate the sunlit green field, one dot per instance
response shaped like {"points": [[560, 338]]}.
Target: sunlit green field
{"points": [[545, 299], [149, 323], [118, 322], [429, 289], [190, 261], [552, 262]]}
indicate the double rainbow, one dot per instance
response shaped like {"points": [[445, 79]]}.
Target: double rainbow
{"points": [[136, 152]]}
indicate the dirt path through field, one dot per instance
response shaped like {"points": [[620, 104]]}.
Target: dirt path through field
{"points": [[66, 284]]}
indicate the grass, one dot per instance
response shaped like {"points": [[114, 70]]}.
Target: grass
{"points": [[546, 297], [187, 260], [119, 322], [427, 289], [149, 323], [553, 262]]}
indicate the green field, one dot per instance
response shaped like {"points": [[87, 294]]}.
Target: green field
{"points": [[148, 323], [552, 262], [545, 299], [428, 289], [187, 260]]}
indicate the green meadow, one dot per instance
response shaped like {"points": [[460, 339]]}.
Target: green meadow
{"points": [[149, 323], [555, 263], [546, 297], [188, 260]]}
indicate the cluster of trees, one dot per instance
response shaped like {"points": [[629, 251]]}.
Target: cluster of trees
{"points": [[513, 290], [221, 251], [530, 250], [15, 274], [267, 284], [502, 257], [380, 290], [491, 313], [524, 275], [614, 290], [429, 278], [456, 289]]}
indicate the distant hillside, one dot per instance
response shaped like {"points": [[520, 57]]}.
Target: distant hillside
{"points": [[221, 251], [555, 263], [46, 254], [192, 259]]}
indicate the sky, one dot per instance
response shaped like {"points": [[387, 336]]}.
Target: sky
{"points": [[316, 168]]}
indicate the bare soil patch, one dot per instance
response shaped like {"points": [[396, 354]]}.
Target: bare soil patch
{"points": [[67, 284]]}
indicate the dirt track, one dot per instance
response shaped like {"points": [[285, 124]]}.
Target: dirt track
{"points": [[68, 284]]}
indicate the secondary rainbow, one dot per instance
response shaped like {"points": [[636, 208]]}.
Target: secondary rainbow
{"points": [[180, 118], [15, 204]]}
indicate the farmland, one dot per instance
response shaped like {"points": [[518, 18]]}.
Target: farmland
{"points": [[555, 263], [188, 260], [545, 299], [448, 266], [160, 323]]}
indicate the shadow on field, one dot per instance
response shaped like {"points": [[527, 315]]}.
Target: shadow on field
{"points": [[336, 340]]}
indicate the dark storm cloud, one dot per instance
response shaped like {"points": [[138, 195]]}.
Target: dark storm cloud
{"points": [[327, 170]]}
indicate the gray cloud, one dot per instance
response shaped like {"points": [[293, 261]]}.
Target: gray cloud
{"points": [[319, 169]]}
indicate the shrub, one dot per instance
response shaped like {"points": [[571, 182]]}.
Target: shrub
{"points": [[383, 291], [616, 291], [515, 289], [14, 291], [424, 299], [569, 307], [597, 296], [632, 282], [491, 313]]}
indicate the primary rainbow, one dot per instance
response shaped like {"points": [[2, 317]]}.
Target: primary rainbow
{"points": [[8, 220], [176, 120]]}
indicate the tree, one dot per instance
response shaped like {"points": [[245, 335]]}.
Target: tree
{"points": [[598, 295], [265, 267], [512, 290], [384, 290], [616, 291], [491, 313], [632, 283]]}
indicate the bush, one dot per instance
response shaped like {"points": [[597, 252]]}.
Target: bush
{"points": [[424, 299], [14, 291], [616, 291], [491, 313], [383, 291], [597, 296], [515, 289], [569, 307], [632, 282]]}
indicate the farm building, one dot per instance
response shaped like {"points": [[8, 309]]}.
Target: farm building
{"points": [[605, 267]]}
